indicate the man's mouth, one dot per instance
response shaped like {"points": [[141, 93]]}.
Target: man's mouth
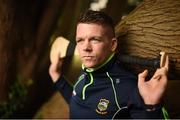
{"points": [[87, 57]]}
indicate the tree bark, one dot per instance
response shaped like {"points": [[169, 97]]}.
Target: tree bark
{"points": [[9, 35], [152, 27]]}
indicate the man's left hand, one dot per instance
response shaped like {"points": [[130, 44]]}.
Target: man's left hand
{"points": [[152, 90]]}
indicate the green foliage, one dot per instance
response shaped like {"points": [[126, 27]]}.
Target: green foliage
{"points": [[16, 98], [39, 115]]}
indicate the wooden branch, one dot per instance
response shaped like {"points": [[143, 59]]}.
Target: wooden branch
{"points": [[152, 27]]}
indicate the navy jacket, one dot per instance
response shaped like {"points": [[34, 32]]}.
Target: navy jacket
{"points": [[106, 92]]}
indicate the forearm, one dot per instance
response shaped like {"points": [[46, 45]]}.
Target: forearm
{"points": [[64, 88], [156, 112], [143, 111]]}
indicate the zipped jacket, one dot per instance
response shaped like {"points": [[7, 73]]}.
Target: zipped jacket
{"points": [[107, 92]]}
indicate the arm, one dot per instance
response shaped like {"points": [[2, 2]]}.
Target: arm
{"points": [[59, 50], [64, 88], [60, 83], [139, 110], [153, 90]]}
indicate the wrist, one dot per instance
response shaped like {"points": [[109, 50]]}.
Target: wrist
{"points": [[151, 108], [150, 101], [56, 77]]}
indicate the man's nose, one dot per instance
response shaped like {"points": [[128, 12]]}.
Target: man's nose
{"points": [[87, 46]]}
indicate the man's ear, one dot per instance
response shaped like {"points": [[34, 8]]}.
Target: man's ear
{"points": [[114, 44]]}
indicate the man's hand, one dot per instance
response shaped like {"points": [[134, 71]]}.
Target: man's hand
{"points": [[152, 90], [55, 68], [57, 53]]}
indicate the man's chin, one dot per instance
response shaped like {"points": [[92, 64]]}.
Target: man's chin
{"points": [[89, 65]]}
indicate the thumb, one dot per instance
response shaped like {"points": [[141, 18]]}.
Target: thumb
{"points": [[57, 58], [55, 67], [142, 76]]}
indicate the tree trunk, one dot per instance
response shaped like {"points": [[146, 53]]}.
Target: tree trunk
{"points": [[152, 27], [24, 47], [33, 54], [9, 35]]}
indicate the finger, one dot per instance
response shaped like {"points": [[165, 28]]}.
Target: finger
{"points": [[52, 69], [163, 58], [59, 45], [167, 63], [56, 65], [160, 76], [163, 79], [142, 76], [54, 74], [159, 73], [157, 77], [162, 71], [58, 60]]}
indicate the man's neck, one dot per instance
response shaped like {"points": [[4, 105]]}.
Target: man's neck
{"points": [[100, 66]]}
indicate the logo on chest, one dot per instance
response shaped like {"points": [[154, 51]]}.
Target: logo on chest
{"points": [[102, 106]]}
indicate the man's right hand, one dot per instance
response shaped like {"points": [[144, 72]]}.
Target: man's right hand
{"points": [[57, 53], [55, 68]]}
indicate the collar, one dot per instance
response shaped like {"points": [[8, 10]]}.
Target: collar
{"points": [[103, 65]]}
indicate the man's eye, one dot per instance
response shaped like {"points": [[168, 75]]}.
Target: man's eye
{"points": [[79, 40], [96, 40]]}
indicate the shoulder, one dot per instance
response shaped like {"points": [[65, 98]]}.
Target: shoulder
{"points": [[122, 72]]}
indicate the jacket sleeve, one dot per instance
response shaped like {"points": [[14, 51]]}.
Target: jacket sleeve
{"points": [[139, 110], [64, 88]]}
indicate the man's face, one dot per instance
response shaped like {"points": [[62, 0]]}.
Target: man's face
{"points": [[94, 44]]}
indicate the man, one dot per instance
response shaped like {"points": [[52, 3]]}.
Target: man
{"points": [[104, 89]]}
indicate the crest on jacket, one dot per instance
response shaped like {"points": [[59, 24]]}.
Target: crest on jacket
{"points": [[102, 106]]}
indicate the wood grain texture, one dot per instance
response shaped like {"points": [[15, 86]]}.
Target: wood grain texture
{"points": [[152, 27]]}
